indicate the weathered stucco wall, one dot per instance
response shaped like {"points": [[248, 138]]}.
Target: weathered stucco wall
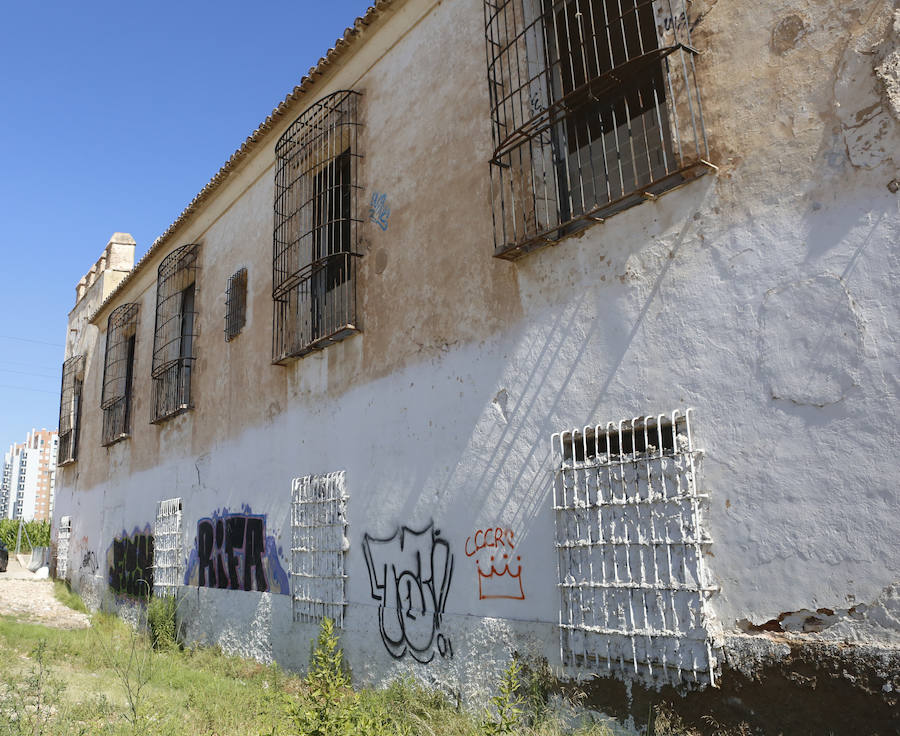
{"points": [[763, 296]]}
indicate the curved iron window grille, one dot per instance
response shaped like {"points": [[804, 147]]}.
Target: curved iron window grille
{"points": [[175, 332], [118, 370], [70, 409], [315, 239], [235, 304], [595, 108]]}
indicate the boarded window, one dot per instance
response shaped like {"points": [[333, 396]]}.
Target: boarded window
{"points": [[319, 547], [235, 304], [118, 372], [70, 409], [313, 281], [168, 555], [630, 537], [595, 108], [175, 332]]}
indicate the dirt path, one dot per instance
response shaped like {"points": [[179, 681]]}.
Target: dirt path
{"points": [[29, 599]]}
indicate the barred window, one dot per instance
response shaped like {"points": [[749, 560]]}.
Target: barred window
{"points": [[176, 328], [168, 557], [118, 371], [319, 547], [595, 108], [630, 538], [235, 304], [313, 280], [70, 409], [62, 547]]}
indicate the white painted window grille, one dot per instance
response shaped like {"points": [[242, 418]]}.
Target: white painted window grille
{"points": [[62, 547], [319, 547], [168, 559], [634, 589]]}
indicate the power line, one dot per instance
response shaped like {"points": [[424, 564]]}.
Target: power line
{"points": [[29, 373], [28, 339], [23, 388]]}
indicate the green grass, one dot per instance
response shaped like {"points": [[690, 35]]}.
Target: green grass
{"points": [[65, 595], [85, 677]]}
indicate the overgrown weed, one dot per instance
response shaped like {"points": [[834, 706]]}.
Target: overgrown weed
{"points": [[63, 592]]}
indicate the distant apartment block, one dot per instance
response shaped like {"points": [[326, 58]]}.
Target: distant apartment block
{"points": [[29, 477]]}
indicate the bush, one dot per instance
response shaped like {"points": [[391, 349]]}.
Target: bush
{"points": [[65, 595], [162, 616]]}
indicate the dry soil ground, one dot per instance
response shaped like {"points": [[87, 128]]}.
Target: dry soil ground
{"points": [[30, 599]]}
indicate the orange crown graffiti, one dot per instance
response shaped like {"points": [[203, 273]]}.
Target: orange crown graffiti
{"points": [[501, 580]]}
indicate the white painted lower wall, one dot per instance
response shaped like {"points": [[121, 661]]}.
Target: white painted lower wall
{"points": [[780, 332]]}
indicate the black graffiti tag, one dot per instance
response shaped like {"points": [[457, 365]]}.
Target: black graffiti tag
{"points": [[131, 572], [231, 551], [409, 575], [89, 561]]}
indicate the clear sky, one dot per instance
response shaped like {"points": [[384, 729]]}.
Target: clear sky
{"points": [[113, 115]]}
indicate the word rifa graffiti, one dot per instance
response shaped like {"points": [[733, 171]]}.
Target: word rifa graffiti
{"points": [[130, 559], [409, 575], [499, 575], [232, 551], [379, 212]]}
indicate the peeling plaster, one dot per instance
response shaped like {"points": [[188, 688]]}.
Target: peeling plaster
{"points": [[867, 90]]}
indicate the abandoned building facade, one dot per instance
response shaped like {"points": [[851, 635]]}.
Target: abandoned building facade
{"points": [[563, 328]]}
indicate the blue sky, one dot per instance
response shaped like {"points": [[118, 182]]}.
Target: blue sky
{"points": [[113, 116]]}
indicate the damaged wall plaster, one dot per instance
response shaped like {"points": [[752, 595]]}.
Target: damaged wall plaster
{"points": [[811, 341], [867, 89]]}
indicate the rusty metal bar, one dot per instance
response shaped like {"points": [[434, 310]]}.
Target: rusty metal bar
{"points": [[592, 101], [315, 235]]}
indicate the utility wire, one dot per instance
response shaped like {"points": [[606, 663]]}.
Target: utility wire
{"points": [[23, 388], [28, 339]]}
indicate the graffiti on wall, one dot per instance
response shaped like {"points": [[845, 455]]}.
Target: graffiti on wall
{"points": [[498, 567], [89, 561], [232, 551], [409, 575], [379, 212], [130, 562]]}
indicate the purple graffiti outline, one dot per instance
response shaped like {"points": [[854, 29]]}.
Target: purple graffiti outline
{"points": [[273, 553]]}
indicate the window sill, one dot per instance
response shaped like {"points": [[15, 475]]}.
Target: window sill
{"points": [[553, 236], [119, 438], [319, 344], [173, 414]]}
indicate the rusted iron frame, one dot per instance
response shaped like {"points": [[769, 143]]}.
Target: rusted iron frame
{"points": [[317, 139], [70, 409], [235, 304], [505, 52], [512, 251], [121, 328], [608, 88], [176, 275]]}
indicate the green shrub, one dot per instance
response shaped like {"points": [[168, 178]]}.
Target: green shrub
{"points": [[508, 703], [63, 592], [162, 614]]}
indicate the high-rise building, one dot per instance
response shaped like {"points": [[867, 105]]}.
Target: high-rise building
{"points": [[29, 477]]}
